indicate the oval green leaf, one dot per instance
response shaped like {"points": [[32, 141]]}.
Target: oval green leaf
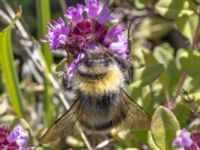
{"points": [[163, 128], [151, 142], [173, 9], [187, 25], [153, 28], [147, 75], [190, 62]]}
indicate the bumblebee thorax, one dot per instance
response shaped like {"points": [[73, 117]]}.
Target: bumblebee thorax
{"points": [[99, 81]]}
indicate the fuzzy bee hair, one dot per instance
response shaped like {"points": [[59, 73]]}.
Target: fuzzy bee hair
{"points": [[99, 83]]}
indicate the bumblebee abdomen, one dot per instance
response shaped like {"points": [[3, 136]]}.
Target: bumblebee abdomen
{"points": [[101, 126], [101, 112]]}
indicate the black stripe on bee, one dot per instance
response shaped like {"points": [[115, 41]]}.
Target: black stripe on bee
{"points": [[100, 104], [92, 76], [105, 125]]}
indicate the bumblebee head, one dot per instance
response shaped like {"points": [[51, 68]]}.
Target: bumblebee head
{"points": [[96, 64]]}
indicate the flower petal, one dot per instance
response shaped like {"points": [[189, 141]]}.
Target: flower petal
{"points": [[75, 13], [120, 46], [183, 140], [15, 133], [57, 34], [74, 63], [93, 11], [104, 15], [113, 33], [19, 136], [177, 143], [187, 141], [88, 3]]}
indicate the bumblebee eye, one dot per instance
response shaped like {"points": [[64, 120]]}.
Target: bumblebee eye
{"points": [[88, 63], [65, 82], [106, 62]]}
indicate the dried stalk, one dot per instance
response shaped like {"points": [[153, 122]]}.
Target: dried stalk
{"points": [[63, 5]]}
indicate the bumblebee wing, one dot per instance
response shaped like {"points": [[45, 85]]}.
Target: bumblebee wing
{"points": [[63, 126], [137, 118]]}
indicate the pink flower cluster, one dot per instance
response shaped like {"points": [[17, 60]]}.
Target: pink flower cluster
{"points": [[88, 27], [16, 139], [187, 141]]}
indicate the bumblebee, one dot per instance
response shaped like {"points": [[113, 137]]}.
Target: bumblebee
{"points": [[101, 103]]}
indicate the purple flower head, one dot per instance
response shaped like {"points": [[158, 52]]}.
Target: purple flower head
{"points": [[75, 13], [120, 46], [104, 15], [86, 27], [195, 136], [57, 34], [19, 136], [113, 33], [183, 140], [74, 63], [92, 8], [13, 140]]}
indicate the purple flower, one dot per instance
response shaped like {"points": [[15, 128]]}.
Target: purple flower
{"points": [[120, 46], [16, 139], [104, 15], [89, 3], [57, 34], [195, 136], [75, 13], [92, 8], [18, 135], [113, 33], [183, 140], [87, 27], [74, 63]]}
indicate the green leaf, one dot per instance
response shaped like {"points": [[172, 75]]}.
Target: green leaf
{"points": [[153, 28], [173, 9], [190, 62], [187, 25], [9, 69], [61, 65], [129, 138], [163, 128], [197, 1], [151, 142], [182, 112], [149, 58], [140, 4], [147, 75], [196, 82], [43, 17], [164, 54]]}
